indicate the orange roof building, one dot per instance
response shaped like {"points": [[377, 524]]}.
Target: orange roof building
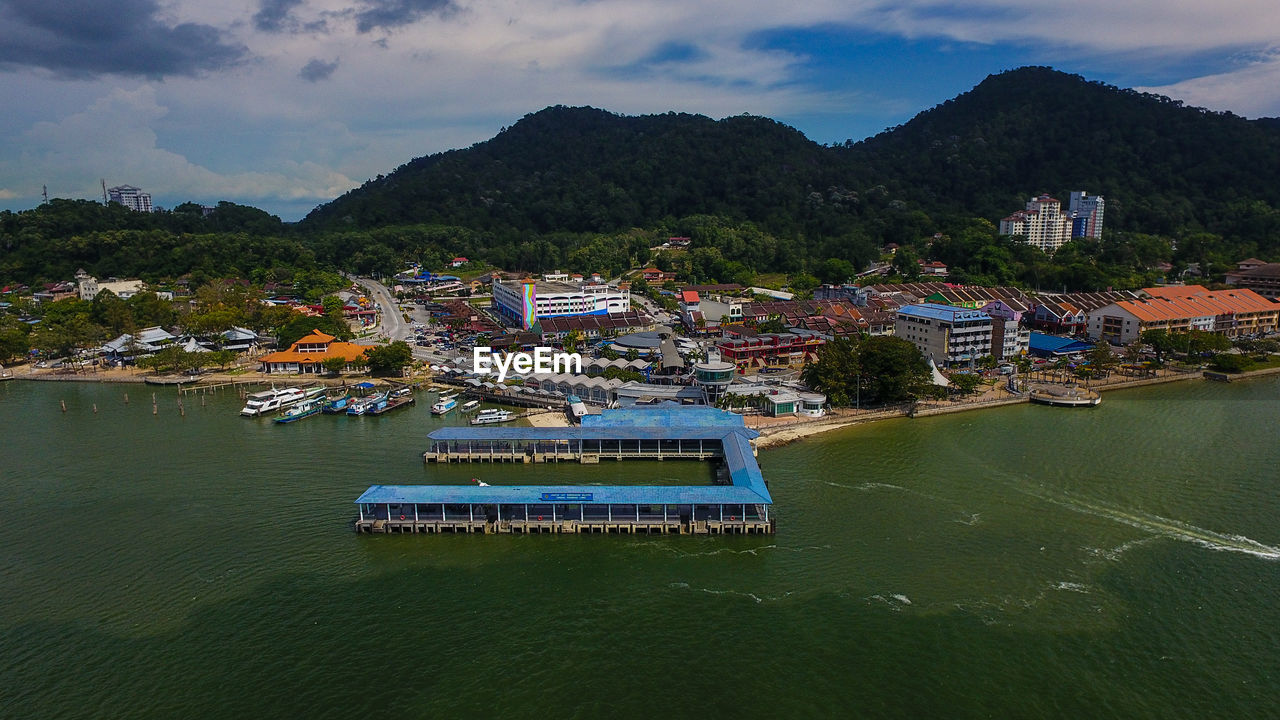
{"points": [[1179, 308], [308, 353]]}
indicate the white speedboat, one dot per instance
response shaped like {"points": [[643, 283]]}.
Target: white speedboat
{"points": [[488, 417]]}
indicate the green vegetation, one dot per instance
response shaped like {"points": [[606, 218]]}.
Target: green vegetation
{"points": [[389, 360], [868, 370], [585, 190]]}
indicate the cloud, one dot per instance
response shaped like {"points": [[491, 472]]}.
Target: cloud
{"points": [[391, 14], [81, 38], [1249, 90], [317, 70], [114, 138], [7, 194], [275, 16]]}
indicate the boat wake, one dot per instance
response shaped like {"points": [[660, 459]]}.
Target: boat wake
{"points": [[732, 551], [736, 593], [1164, 527]]}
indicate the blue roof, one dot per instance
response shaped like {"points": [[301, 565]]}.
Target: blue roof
{"points": [[662, 422], [563, 494], [1053, 344], [935, 311]]}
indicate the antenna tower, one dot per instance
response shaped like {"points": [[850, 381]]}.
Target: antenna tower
{"points": [[104, 191], [44, 190]]}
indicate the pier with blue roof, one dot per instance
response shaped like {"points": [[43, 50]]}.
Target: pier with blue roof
{"points": [[739, 503]]}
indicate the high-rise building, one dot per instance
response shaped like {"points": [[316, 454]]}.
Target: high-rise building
{"points": [[1043, 224], [130, 197], [1086, 214]]}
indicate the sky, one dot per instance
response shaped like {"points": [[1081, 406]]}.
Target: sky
{"points": [[286, 104]]}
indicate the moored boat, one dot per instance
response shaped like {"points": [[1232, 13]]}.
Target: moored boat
{"points": [[1066, 397], [490, 416], [444, 404], [266, 401], [367, 403], [470, 406], [305, 409]]}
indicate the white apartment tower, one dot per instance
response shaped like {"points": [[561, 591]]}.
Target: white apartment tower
{"points": [[130, 197], [1043, 224], [1086, 214]]}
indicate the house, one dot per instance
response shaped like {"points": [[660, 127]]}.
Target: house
{"points": [[147, 341], [1181, 308], [1059, 317], [308, 354], [951, 336], [53, 292], [653, 274], [933, 268], [1262, 278], [458, 262], [1009, 339]]}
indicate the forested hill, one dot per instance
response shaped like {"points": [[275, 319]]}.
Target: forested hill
{"points": [[1164, 168], [586, 170]]}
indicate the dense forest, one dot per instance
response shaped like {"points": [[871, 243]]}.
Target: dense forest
{"points": [[586, 190]]}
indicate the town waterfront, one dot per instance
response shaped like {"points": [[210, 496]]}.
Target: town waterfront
{"points": [[1022, 561]]}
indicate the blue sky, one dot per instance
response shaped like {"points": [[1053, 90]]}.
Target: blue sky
{"points": [[285, 104]]}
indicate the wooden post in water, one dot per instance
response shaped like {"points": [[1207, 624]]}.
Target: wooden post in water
{"points": [[95, 408], [181, 410], [126, 398]]}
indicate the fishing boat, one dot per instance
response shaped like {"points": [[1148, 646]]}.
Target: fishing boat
{"points": [[444, 404], [337, 405], [397, 398], [490, 416], [266, 401], [364, 404], [470, 406], [304, 409]]}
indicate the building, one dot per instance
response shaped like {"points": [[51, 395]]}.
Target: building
{"points": [[714, 377], [1179, 308], [89, 287], [458, 262], [1085, 211], [130, 197], [308, 354], [525, 302], [1262, 278], [745, 350], [1042, 223], [1009, 338], [951, 336]]}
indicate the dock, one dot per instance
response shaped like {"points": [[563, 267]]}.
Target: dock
{"points": [[741, 504]]}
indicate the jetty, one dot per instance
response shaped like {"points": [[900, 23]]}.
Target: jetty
{"points": [[739, 503]]}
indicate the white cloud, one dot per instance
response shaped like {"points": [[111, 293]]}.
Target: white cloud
{"points": [[1250, 90], [7, 194], [259, 132], [114, 138]]}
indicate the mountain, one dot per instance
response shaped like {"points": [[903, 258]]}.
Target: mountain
{"points": [[1164, 168], [586, 170]]}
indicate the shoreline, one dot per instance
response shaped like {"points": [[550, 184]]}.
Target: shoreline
{"points": [[787, 432], [773, 433]]}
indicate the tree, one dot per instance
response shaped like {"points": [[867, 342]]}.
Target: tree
{"points": [[877, 369], [1160, 341], [389, 360], [1101, 358], [965, 383], [334, 365]]}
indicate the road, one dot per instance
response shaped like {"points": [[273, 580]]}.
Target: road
{"points": [[391, 325]]}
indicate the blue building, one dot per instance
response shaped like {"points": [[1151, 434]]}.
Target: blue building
{"points": [[741, 504]]}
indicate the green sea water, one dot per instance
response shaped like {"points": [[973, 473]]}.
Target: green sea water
{"points": [[1022, 562]]}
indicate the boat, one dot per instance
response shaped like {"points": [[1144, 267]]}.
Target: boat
{"points": [[490, 416], [5, 374], [444, 404], [395, 399], [266, 401], [470, 406], [304, 409], [1066, 397], [337, 405], [365, 404]]}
